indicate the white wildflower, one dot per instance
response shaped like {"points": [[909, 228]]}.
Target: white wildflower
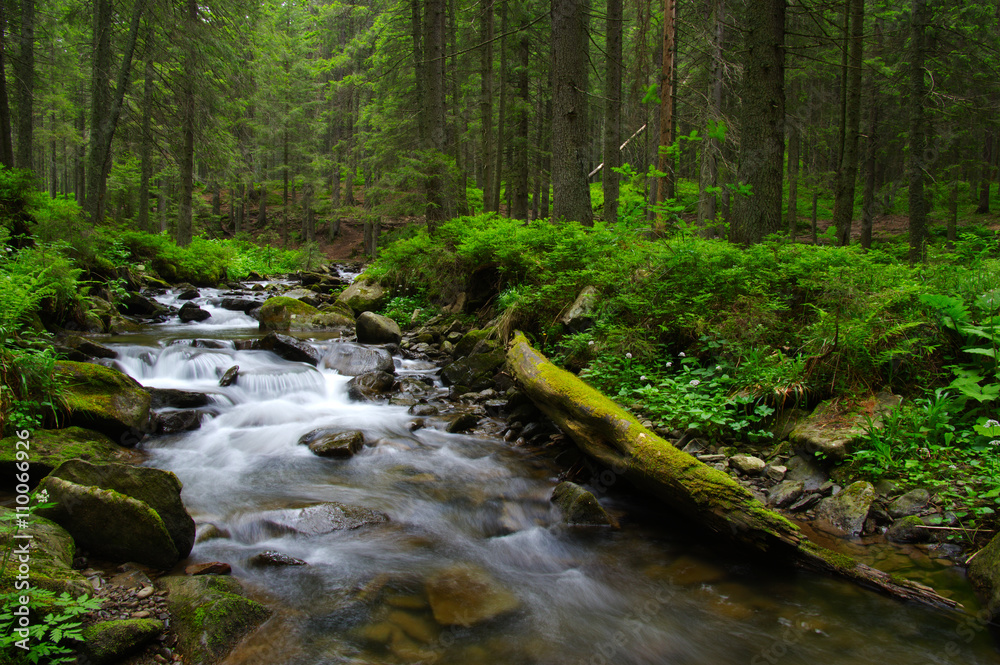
{"points": [[42, 496], [681, 354], [590, 343], [695, 382], [991, 423], [670, 364], [629, 356]]}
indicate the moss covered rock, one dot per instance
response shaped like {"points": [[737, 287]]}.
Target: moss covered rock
{"points": [[363, 296], [109, 524], [831, 432], [474, 341], [111, 641], [984, 573], [52, 447], [578, 506], [210, 615], [105, 400], [466, 595], [52, 550], [160, 490], [475, 371], [846, 512], [377, 329], [281, 312]]}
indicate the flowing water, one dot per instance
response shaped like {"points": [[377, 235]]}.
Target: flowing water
{"points": [[473, 511]]}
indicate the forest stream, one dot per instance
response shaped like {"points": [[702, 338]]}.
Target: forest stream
{"points": [[473, 564]]}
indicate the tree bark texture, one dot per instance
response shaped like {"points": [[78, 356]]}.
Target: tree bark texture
{"points": [[665, 163], [24, 77], [570, 190], [710, 498], [187, 104], [434, 41], [762, 124], [6, 143], [847, 174], [711, 151], [613, 111], [919, 19]]}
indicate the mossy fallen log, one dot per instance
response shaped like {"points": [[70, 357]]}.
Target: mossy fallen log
{"points": [[614, 438]]}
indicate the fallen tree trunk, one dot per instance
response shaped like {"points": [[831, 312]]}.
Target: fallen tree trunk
{"points": [[614, 438]]}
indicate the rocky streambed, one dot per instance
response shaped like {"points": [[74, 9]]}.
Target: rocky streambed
{"points": [[391, 501]]}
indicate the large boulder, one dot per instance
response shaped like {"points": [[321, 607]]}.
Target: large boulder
{"points": [[580, 315], [475, 371], [374, 328], [288, 348], [210, 615], [112, 641], [832, 433], [320, 518], [356, 359], [467, 595], [370, 386], [282, 313], [103, 399], [363, 296], [580, 507], [52, 447], [52, 550], [845, 513], [109, 524], [176, 399], [474, 341], [160, 490], [190, 312], [984, 573]]}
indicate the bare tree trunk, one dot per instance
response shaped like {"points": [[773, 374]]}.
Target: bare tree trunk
{"points": [[847, 173], [434, 110], [917, 130], [762, 124], [24, 77], [486, 104], [519, 162], [986, 173], [570, 141], [6, 144], [146, 144], [793, 181], [712, 149], [187, 102], [501, 112], [665, 163], [612, 111]]}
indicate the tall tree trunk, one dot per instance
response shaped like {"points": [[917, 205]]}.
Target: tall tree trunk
{"points": [[106, 105], [486, 104], [762, 124], [6, 144], [612, 111], [847, 174], [665, 164], [24, 77], [262, 207], [986, 173], [519, 161], [711, 151], [570, 141], [919, 20], [146, 140], [434, 42], [501, 112], [187, 103], [419, 78], [793, 181]]}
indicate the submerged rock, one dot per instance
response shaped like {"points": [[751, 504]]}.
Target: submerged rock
{"points": [[467, 595], [210, 615], [580, 507], [270, 558], [334, 443], [321, 518], [191, 312], [112, 641]]}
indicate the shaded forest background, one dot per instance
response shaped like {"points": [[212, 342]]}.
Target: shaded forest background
{"points": [[281, 120]]}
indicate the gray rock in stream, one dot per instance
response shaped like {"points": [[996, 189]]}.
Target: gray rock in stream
{"points": [[374, 328], [288, 348], [370, 386], [176, 399], [313, 520], [846, 512], [355, 359], [580, 507], [334, 443]]}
